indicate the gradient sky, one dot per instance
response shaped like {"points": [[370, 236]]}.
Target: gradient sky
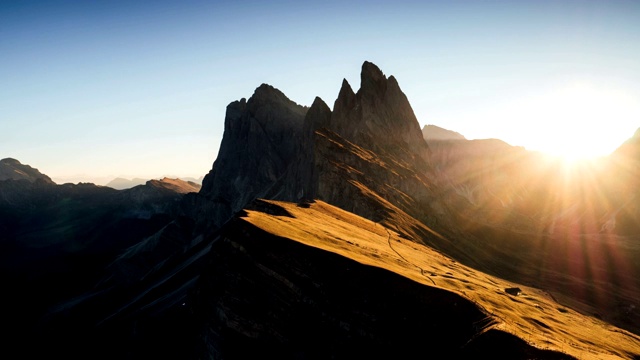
{"points": [[91, 90]]}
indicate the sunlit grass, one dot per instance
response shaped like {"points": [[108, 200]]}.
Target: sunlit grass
{"points": [[534, 316]]}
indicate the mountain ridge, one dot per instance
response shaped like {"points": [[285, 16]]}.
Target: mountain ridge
{"points": [[327, 233], [12, 169]]}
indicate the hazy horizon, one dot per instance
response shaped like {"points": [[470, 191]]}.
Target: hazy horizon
{"points": [[120, 89]]}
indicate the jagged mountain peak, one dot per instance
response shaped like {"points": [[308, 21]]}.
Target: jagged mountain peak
{"points": [[267, 93], [373, 82], [371, 73], [316, 117], [275, 148], [378, 116], [346, 99], [259, 142], [345, 90]]}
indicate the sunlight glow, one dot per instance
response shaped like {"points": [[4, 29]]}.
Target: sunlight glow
{"points": [[575, 121], [579, 116]]}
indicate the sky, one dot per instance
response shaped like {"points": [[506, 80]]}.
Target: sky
{"points": [[92, 90]]}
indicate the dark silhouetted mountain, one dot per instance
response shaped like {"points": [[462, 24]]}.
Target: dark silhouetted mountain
{"points": [[378, 116], [260, 140], [432, 132], [57, 240], [12, 169], [368, 148]]}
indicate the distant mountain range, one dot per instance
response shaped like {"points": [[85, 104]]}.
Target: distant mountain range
{"points": [[330, 233], [433, 132], [122, 183]]}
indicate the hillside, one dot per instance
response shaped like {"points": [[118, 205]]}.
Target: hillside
{"points": [[309, 280], [532, 315]]}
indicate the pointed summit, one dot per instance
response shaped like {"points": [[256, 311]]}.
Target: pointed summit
{"points": [[373, 83], [378, 116], [371, 73], [266, 93], [345, 90], [318, 116], [346, 98]]}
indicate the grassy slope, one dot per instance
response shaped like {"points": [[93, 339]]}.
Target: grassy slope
{"points": [[533, 316]]}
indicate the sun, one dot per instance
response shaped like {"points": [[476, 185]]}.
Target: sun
{"points": [[577, 121]]}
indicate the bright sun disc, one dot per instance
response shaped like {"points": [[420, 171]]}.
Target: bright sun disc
{"points": [[578, 121]]}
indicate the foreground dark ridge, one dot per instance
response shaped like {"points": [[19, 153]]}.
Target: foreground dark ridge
{"points": [[316, 293]]}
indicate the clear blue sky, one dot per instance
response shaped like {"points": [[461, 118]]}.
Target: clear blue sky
{"points": [[90, 90]]}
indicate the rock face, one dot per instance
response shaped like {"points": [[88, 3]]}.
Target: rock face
{"points": [[372, 149], [378, 116], [432, 132], [12, 169], [369, 147], [261, 138]]}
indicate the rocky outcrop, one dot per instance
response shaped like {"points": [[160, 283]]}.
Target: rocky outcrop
{"points": [[301, 178], [12, 169], [261, 139], [379, 117], [369, 146]]}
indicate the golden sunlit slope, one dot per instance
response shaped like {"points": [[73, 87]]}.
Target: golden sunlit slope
{"points": [[532, 315]]}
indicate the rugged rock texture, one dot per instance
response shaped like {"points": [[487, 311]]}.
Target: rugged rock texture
{"points": [[379, 117], [261, 137], [12, 169], [370, 146], [301, 179], [432, 132]]}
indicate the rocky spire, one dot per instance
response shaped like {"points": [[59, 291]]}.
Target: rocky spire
{"points": [[260, 141], [373, 83], [346, 98], [378, 116]]}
